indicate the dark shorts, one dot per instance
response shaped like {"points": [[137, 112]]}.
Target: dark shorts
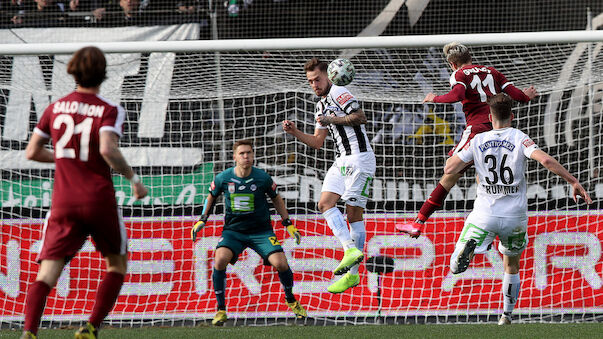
{"points": [[66, 230], [468, 134], [263, 243]]}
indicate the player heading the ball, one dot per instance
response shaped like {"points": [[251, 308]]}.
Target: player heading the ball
{"points": [[501, 205], [85, 129], [247, 224], [472, 84], [350, 177]]}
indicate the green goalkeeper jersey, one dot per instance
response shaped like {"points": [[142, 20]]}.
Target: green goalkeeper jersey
{"points": [[246, 206]]}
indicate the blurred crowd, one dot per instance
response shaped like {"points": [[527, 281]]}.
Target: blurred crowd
{"points": [[102, 13]]}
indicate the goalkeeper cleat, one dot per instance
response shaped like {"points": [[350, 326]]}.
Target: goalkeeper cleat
{"points": [[504, 320], [413, 229], [351, 257], [463, 260], [220, 318], [28, 335], [345, 282], [298, 309], [86, 332]]}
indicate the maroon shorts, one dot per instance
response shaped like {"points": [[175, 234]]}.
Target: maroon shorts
{"points": [[67, 228], [468, 134]]}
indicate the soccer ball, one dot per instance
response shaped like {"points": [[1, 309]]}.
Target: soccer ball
{"points": [[341, 72]]}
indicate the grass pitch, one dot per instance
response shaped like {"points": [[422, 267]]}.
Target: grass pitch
{"points": [[490, 331]]}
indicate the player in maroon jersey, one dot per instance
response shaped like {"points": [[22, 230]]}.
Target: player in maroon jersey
{"points": [[472, 85], [84, 129]]}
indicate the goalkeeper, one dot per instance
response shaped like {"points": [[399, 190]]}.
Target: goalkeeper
{"points": [[247, 224]]}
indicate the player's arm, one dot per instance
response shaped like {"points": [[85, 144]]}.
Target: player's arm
{"points": [[36, 151], [515, 93], [315, 140], [554, 166], [519, 95], [281, 209], [454, 165], [109, 150], [355, 118], [208, 205], [456, 94]]}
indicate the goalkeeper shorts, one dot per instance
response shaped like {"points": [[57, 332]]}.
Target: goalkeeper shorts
{"points": [[263, 243]]}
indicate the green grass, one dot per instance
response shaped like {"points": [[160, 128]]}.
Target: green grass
{"points": [[489, 331]]}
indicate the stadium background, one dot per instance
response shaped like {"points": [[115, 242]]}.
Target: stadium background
{"points": [[409, 166]]}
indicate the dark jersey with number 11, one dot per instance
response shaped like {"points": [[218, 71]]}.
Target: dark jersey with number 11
{"points": [[473, 85]]}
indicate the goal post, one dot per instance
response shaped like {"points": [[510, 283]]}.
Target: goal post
{"points": [[186, 107]]}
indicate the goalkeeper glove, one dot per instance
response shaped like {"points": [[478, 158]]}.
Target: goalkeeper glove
{"points": [[198, 226], [292, 230]]}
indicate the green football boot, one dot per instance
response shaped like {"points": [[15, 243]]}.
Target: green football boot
{"points": [[220, 318], [351, 257], [345, 282]]}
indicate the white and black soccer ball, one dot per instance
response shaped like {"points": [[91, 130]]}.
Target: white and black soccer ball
{"points": [[341, 72]]}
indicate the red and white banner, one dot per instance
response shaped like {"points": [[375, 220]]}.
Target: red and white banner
{"points": [[170, 276]]}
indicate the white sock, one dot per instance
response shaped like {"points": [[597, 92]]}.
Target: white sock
{"points": [[511, 285], [339, 227], [358, 234]]}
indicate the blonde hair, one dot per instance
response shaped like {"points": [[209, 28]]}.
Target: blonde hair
{"points": [[457, 53]]}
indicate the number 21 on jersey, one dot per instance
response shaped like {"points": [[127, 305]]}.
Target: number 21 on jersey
{"points": [[72, 129], [479, 85]]}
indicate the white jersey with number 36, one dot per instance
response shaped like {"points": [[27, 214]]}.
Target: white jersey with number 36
{"points": [[500, 161]]}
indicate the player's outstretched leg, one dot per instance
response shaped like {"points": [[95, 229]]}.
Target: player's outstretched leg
{"points": [[463, 257], [345, 282], [436, 200]]}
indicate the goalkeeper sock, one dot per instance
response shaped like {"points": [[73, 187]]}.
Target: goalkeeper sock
{"points": [[339, 227], [219, 280], [511, 284], [358, 234], [286, 278], [435, 201], [34, 308], [106, 295]]}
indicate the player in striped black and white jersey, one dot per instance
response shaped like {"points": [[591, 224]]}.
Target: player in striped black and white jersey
{"points": [[501, 206], [350, 177]]}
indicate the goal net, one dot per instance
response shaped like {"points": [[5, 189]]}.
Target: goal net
{"points": [[185, 110]]}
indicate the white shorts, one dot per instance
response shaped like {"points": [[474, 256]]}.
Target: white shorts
{"points": [[511, 232], [351, 177]]}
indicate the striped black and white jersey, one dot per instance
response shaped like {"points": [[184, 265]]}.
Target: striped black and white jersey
{"points": [[348, 139]]}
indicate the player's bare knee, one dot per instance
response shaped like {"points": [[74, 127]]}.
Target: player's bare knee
{"points": [[222, 257], [221, 262], [324, 206], [117, 263], [281, 266]]}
